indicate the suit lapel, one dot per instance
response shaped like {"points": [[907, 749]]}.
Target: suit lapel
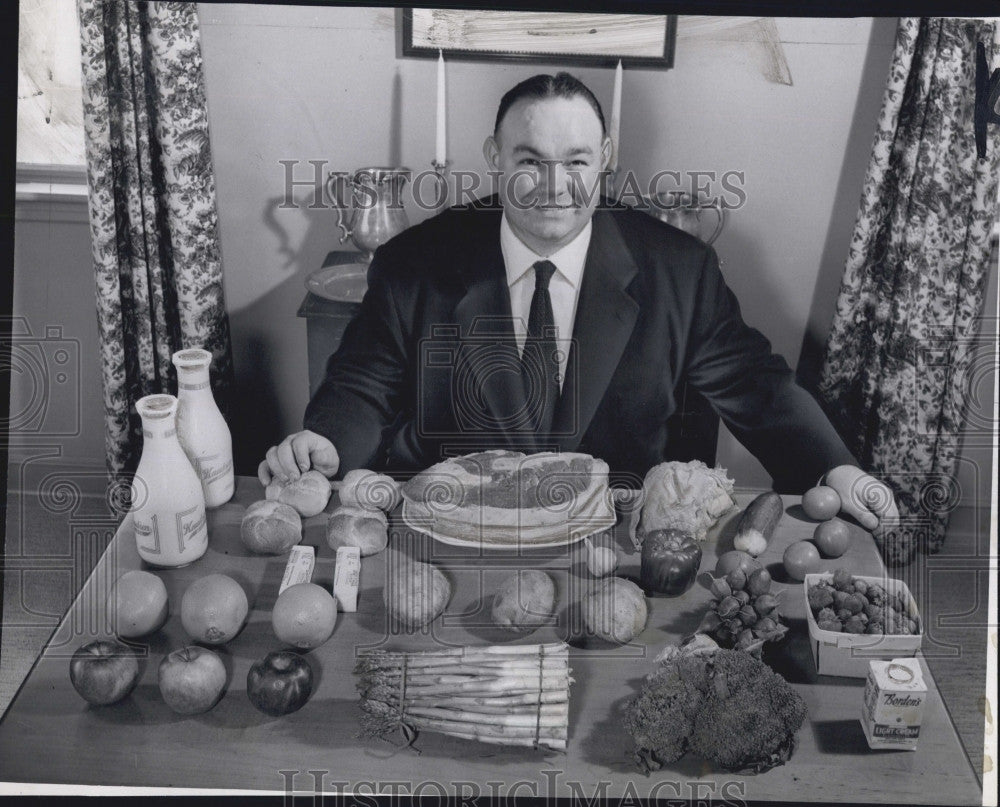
{"points": [[605, 316], [488, 355]]}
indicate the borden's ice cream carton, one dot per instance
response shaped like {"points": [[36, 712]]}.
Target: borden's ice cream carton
{"points": [[894, 704]]}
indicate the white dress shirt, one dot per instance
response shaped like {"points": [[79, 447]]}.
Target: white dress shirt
{"points": [[564, 287]]}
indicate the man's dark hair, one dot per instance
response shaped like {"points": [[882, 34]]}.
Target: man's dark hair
{"points": [[561, 85]]}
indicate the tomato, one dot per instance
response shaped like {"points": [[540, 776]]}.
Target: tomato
{"points": [[821, 502], [833, 538], [734, 559], [800, 559], [280, 683]]}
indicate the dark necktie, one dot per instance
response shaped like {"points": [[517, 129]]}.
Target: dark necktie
{"points": [[539, 364]]}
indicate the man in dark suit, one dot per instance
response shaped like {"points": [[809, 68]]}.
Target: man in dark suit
{"points": [[540, 319]]}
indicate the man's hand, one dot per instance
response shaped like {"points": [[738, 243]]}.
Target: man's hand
{"points": [[864, 497], [295, 455]]}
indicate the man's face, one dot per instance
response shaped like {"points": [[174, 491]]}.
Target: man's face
{"points": [[549, 154]]}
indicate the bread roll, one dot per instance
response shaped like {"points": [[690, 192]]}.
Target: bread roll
{"points": [[369, 490], [308, 494], [270, 528], [355, 526]]}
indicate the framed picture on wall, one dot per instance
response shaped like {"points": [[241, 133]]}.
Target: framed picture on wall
{"points": [[638, 40]]}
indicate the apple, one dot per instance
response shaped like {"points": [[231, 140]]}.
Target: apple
{"points": [[280, 683], [191, 679], [103, 671]]}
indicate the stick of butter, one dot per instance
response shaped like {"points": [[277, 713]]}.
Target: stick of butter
{"points": [[299, 569], [346, 577]]}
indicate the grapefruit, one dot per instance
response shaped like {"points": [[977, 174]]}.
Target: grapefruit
{"points": [[304, 615], [137, 604], [214, 608]]}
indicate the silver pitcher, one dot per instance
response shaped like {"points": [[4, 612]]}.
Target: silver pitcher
{"points": [[378, 214], [685, 211]]}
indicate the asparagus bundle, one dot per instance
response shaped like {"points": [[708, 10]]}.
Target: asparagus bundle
{"points": [[508, 695]]}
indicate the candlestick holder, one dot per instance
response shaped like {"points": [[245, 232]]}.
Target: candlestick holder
{"points": [[441, 169]]}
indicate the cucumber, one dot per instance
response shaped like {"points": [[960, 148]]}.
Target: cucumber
{"points": [[758, 522]]}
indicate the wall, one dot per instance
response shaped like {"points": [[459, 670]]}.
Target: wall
{"points": [[56, 398], [323, 83], [294, 83]]}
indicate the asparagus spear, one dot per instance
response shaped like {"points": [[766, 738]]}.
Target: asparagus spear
{"points": [[514, 695]]}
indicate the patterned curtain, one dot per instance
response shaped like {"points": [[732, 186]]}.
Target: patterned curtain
{"points": [[153, 220], [896, 369]]}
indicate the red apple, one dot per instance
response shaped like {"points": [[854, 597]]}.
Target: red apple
{"points": [[192, 679], [103, 671], [280, 683]]}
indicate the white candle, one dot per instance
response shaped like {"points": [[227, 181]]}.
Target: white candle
{"points": [[616, 115], [441, 151]]}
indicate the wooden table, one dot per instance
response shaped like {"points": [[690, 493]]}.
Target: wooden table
{"points": [[50, 735]]}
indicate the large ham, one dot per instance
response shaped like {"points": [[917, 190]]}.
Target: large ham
{"points": [[508, 499]]}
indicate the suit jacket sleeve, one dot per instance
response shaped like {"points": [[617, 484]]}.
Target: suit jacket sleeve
{"points": [[361, 395], [754, 390]]}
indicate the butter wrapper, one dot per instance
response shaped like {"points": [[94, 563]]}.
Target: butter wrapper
{"points": [[299, 569], [346, 577]]}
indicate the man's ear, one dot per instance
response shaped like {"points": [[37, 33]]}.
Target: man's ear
{"points": [[491, 153], [606, 149]]}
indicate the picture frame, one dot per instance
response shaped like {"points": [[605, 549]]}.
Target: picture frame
{"points": [[575, 38]]}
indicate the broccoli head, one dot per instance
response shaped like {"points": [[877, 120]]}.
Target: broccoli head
{"points": [[660, 718], [728, 706], [749, 715]]}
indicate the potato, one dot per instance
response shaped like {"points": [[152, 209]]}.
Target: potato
{"points": [[354, 526], [369, 490], [308, 494], [524, 601], [616, 610], [415, 593], [270, 528]]}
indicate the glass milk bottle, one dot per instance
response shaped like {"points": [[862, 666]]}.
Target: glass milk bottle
{"points": [[168, 506], [202, 430]]}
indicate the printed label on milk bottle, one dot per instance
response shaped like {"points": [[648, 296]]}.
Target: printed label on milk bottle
{"points": [[192, 529], [147, 534], [216, 474]]}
